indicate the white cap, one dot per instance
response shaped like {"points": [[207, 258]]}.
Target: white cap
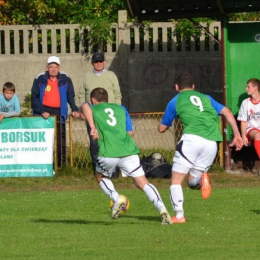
{"points": [[53, 59]]}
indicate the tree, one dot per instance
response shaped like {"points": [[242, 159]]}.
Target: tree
{"points": [[95, 14]]}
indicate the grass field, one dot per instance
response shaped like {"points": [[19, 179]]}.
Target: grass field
{"points": [[68, 217]]}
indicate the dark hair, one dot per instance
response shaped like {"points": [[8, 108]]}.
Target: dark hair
{"points": [[254, 82], [184, 80], [100, 94], [9, 86]]}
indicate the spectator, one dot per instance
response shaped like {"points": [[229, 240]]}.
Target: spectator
{"points": [[117, 149], [99, 77], [9, 102], [249, 115], [51, 91], [197, 148]]}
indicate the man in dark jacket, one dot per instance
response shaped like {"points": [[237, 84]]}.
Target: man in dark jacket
{"points": [[50, 93]]}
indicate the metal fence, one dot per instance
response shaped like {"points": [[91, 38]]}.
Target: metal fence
{"points": [[146, 137]]}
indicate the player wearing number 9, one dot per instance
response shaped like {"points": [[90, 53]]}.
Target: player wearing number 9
{"points": [[197, 149], [111, 125]]}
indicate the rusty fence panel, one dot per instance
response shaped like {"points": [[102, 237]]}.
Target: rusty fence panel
{"points": [[146, 137]]}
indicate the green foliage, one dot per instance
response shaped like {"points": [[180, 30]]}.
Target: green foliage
{"points": [[251, 16], [97, 15], [59, 11], [186, 28], [26, 111]]}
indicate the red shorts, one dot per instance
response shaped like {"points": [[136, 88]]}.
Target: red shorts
{"points": [[248, 134]]}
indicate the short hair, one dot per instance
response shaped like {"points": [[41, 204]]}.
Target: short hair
{"points": [[184, 80], [8, 86], [254, 82], [100, 94]]}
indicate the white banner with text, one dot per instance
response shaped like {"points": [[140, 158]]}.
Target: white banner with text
{"points": [[26, 147]]}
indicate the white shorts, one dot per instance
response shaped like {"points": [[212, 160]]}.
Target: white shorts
{"points": [[194, 154], [129, 166]]}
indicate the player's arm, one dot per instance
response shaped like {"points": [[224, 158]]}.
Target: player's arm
{"points": [[237, 141], [128, 123], [242, 117], [162, 128], [131, 133], [243, 125], [169, 115], [224, 111], [87, 113]]}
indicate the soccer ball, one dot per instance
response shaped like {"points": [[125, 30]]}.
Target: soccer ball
{"points": [[125, 208]]}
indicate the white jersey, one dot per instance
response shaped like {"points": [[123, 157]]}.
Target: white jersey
{"points": [[249, 112]]}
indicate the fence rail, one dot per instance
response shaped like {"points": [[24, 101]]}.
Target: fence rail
{"points": [[73, 39]]}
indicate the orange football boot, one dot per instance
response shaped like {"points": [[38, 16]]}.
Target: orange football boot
{"points": [[205, 186], [178, 220]]}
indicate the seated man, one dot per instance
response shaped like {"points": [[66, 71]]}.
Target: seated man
{"points": [[249, 115]]}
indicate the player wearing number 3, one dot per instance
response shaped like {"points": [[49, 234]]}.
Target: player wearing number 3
{"points": [[111, 125], [197, 149]]}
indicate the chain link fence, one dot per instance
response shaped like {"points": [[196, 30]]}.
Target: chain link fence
{"points": [[146, 137]]}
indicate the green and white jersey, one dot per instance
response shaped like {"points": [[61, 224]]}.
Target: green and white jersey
{"points": [[197, 112], [113, 122]]}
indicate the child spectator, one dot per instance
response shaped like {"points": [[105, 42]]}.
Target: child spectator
{"points": [[9, 102]]}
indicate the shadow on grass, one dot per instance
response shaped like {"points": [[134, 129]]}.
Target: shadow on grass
{"points": [[86, 222], [256, 211]]}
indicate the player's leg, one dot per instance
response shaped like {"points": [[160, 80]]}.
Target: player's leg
{"points": [[107, 186], [179, 173], [199, 177], [131, 167], [93, 147], [254, 135], [104, 170], [184, 157]]}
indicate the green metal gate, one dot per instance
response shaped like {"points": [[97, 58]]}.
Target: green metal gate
{"points": [[242, 60]]}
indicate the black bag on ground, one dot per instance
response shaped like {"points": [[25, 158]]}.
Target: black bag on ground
{"points": [[155, 166]]}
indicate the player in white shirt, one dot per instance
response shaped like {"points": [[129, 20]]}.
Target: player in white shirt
{"points": [[249, 115]]}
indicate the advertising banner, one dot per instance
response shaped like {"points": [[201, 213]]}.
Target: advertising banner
{"points": [[26, 147]]}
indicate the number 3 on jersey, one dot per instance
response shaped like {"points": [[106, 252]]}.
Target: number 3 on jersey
{"points": [[196, 101], [110, 113]]}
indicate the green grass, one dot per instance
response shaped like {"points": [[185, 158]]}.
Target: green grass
{"points": [[69, 218]]}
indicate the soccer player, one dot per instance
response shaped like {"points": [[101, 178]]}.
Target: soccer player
{"points": [[111, 125], [197, 148]]}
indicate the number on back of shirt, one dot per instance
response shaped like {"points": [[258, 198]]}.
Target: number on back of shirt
{"points": [[111, 120], [196, 101]]}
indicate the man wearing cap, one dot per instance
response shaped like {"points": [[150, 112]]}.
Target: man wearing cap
{"points": [[50, 93], [99, 77]]}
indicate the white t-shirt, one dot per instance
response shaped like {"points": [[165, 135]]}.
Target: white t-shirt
{"points": [[249, 112]]}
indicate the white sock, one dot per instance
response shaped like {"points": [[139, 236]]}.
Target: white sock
{"points": [[176, 197], [154, 196], [108, 187]]}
